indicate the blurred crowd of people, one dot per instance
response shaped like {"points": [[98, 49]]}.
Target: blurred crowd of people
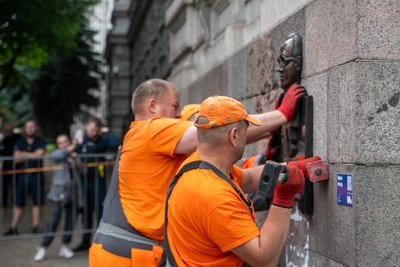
{"points": [[78, 180]]}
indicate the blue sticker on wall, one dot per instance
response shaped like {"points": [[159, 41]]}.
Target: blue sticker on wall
{"points": [[345, 189]]}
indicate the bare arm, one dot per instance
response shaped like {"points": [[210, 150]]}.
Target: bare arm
{"points": [[188, 142], [274, 119], [251, 179], [265, 249], [38, 153], [269, 121], [71, 148], [18, 156]]}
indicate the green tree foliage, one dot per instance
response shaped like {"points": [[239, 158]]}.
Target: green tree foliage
{"points": [[31, 30], [66, 85], [47, 68]]}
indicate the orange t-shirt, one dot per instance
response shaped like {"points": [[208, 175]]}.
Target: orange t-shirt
{"points": [[249, 162], [207, 218], [146, 168]]}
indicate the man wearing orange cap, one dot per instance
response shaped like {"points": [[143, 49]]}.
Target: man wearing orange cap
{"points": [[217, 226], [189, 112], [156, 144]]}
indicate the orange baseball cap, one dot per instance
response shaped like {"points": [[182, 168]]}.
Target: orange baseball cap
{"points": [[189, 110], [222, 110]]}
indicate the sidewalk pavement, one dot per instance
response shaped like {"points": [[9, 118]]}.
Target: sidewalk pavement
{"points": [[19, 253]]}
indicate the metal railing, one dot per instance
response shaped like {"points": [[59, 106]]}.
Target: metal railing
{"points": [[27, 183]]}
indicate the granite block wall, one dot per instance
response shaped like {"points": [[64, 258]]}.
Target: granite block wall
{"points": [[351, 66]]}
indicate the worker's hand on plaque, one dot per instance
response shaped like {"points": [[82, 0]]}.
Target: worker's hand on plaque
{"points": [[288, 105]]}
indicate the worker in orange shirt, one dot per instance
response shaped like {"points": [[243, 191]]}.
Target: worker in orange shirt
{"points": [[189, 112], [210, 221], [156, 144]]}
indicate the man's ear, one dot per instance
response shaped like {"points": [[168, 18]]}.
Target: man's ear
{"points": [[233, 136], [152, 105]]}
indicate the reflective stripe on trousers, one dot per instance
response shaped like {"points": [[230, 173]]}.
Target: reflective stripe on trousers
{"points": [[120, 242]]}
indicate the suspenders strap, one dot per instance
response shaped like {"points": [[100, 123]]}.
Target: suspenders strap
{"points": [[188, 167]]}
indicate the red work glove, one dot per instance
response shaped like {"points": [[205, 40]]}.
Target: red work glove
{"points": [[284, 193], [288, 104], [301, 164]]}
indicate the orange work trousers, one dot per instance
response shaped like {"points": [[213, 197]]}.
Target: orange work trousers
{"points": [[98, 257]]}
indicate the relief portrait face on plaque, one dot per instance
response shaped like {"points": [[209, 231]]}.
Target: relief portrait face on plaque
{"points": [[289, 69], [296, 137], [290, 61]]}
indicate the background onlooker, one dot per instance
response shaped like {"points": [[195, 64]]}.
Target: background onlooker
{"points": [[95, 140], [28, 153], [62, 196], [7, 150]]}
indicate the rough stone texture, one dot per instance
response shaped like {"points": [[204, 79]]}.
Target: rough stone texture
{"points": [[274, 11], [260, 66], [320, 222], [299, 228], [315, 53], [363, 112], [330, 30], [363, 235], [378, 112], [342, 30], [265, 102], [378, 29], [341, 110], [317, 86], [183, 75], [356, 111], [255, 105], [298, 256], [341, 222], [238, 75], [214, 82], [377, 202], [331, 231], [186, 34], [250, 105]]}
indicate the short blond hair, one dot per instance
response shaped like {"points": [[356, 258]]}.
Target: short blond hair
{"points": [[153, 88]]}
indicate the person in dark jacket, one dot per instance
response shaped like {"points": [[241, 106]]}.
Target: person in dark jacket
{"points": [[28, 153], [7, 150], [96, 140]]}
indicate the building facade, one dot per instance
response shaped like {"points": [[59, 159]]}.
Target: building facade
{"points": [[351, 66]]}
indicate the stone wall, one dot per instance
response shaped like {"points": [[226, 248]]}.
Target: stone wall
{"points": [[351, 66], [137, 49]]}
